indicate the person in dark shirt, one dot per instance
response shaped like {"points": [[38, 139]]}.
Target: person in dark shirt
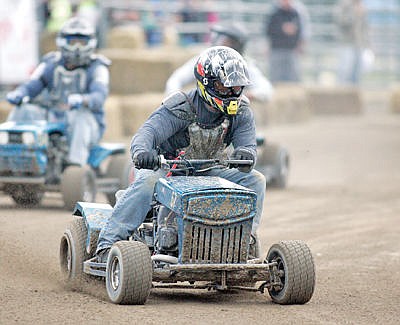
{"points": [[286, 31]]}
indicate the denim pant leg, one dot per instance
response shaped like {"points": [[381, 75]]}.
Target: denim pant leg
{"points": [[130, 210], [254, 181], [83, 132]]}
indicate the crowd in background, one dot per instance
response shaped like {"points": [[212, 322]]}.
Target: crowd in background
{"points": [[354, 51]]}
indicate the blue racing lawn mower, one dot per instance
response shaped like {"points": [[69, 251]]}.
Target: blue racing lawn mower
{"points": [[197, 236], [33, 161]]}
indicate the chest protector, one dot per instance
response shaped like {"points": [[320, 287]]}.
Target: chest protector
{"points": [[66, 82], [205, 141]]}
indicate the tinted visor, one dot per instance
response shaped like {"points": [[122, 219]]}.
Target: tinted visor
{"points": [[77, 40], [226, 92]]}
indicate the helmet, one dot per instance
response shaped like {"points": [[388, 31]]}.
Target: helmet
{"points": [[76, 41], [221, 75], [233, 35]]}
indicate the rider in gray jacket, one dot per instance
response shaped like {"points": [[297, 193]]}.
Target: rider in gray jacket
{"points": [[202, 122]]}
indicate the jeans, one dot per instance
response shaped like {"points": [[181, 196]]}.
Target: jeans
{"points": [[131, 209], [84, 132]]}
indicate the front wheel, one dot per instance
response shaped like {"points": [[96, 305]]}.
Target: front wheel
{"points": [[275, 159], [129, 273], [73, 251], [294, 275]]}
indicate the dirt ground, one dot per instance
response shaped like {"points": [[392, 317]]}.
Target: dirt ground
{"points": [[343, 199]]}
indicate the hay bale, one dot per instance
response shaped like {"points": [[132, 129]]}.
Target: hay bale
{"points": [[5, 109], [335, 100], [144, 70], [135, 109], [395, 100], [114, 119], [127, 37], [288, 105], [47, 42]]}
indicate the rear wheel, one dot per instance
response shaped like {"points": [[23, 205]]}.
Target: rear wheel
{"points": [[73, 251], [129, 273], [78, 183], [276, 159], [294, 273]]}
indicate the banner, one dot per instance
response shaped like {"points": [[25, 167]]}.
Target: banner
{"points": [[18, 40]]}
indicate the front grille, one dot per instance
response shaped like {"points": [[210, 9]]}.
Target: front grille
{"points": [[15, 137], [18, 165], [213, 244]]}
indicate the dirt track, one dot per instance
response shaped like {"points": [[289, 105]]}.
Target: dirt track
{"points": [[343, 200]]}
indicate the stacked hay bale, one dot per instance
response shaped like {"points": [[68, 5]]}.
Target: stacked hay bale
{"points": [[5, 109], [335, 100], [395, 99], [289, 104]]}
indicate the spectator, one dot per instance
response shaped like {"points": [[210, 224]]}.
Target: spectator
{"points": [[190, 14], [287, 30], [351, 19]]}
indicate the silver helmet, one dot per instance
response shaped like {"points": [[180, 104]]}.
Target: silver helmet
{"points": [[76, 41], [221, 74]]}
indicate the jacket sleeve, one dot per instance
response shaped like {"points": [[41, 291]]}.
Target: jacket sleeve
{"points": [[37, 81], [98, 88], [244, 131], [160, 126]]}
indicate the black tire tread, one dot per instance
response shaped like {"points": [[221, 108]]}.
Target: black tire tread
{"points": [[77, 233], [300, 271], [137, 265]]}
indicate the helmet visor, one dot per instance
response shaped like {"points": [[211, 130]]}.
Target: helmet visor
{"points": [[227, 92], [76, 42]]}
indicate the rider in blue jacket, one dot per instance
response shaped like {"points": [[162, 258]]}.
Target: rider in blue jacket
{"points": [[203, 123], [73, 83]]}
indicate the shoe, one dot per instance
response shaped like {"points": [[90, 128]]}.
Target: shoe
{"points": [[102, 255]]}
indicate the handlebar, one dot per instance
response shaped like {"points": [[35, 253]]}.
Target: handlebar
{"points": [[231, 163]]}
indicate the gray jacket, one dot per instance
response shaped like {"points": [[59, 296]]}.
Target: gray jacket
{"points": [[168, 129]]}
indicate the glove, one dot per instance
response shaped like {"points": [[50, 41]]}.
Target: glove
{"points": [[242, 153], [147, 160], [75, 101], [16, 97]]}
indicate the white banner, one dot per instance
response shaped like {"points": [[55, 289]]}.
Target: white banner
{"points": [[18, 40]]}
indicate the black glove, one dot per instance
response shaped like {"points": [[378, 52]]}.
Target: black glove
{"points": [[147, 160], [242, 153]]}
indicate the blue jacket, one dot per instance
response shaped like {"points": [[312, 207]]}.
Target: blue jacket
{"points": [[53, 82]]}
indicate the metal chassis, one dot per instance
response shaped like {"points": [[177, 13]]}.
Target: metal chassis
{"points": [[169, 275]]}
